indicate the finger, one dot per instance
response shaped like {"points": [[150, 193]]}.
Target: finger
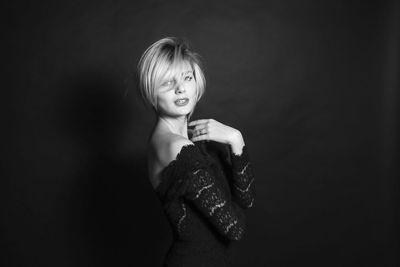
{"points": [[200, 126], [203, 131], [199, 132], [192, 123], [200, 137]]}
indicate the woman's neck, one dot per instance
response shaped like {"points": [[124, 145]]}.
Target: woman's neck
{"points": [[176, 125]]}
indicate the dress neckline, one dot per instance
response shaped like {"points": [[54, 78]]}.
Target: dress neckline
{"points": [[172, 164]]}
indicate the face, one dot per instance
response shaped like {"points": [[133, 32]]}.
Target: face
{"points": [[176, 93]]}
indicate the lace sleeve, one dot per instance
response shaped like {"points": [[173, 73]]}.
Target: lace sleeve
{"points": [[243, 191], [202, 190]]}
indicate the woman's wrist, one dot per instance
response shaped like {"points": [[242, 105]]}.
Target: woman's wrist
{"points": [[236, 143]]}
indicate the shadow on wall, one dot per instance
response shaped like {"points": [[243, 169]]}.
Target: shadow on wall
{"points": [[114, 214]]}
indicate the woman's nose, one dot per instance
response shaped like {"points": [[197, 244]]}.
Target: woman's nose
{"points": [[180, 88]]}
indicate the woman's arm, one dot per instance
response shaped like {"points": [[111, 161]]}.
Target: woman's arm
{"points": [[243, 179], [243, 189], [224, 214], [201, 188]]}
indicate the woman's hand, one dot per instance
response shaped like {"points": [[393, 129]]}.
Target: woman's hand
{"points": [[210, 129]]}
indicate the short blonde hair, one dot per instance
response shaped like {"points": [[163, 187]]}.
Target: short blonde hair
{"points": [[158, 59]]}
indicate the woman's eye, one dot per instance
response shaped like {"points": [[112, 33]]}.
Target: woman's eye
{"points": [[168, 83], [188, 78]]}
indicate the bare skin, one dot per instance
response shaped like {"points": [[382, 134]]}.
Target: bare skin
{"points": [[170, 133], [166, 142]]}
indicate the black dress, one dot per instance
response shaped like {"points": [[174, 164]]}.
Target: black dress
{"points": [[203, 192]]}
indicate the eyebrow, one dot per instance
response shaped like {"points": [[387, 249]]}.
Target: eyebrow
{"points": [[169, 76], [187, 72]]}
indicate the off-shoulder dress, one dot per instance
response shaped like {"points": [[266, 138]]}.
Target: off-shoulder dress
{"points": [[204, 192]]}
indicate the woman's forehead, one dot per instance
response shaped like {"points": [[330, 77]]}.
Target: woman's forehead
{"points": [[178, 69]]}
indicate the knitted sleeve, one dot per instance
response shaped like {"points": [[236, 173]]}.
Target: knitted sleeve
{"points": [[243, 191], [203, 190]]}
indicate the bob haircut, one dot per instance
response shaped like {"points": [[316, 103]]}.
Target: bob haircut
{"points": [[167, 54]]}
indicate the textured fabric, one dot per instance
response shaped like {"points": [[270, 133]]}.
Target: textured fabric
{"points": [[203, 192]]}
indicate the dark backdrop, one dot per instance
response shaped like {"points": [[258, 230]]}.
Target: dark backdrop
{"points": [[312, 85]]}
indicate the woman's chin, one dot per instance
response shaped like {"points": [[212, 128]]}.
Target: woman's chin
{"points": [[178, 114], [178, 111], [183, 111]]}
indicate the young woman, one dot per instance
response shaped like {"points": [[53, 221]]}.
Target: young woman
{"points": [[202, 176]]}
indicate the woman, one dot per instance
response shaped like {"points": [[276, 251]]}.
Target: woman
{"points": [[202, 176]]}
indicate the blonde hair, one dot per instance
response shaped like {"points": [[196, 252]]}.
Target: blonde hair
{"points": [[158, 59]]}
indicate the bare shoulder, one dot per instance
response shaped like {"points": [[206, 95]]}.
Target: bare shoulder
{"points": [[168, 146], [173, 147]]}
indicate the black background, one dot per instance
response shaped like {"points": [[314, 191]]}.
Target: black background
{"points": [[312, 86]]}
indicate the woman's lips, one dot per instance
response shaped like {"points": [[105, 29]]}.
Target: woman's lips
{"points": [[182, 101]]}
